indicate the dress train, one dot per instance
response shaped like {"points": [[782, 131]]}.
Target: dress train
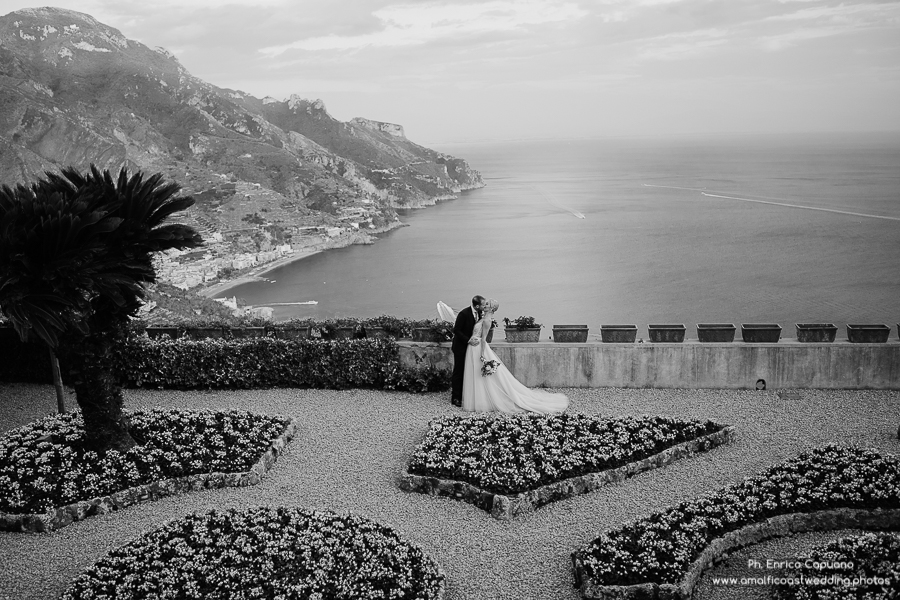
{"points": [[501, 391]]}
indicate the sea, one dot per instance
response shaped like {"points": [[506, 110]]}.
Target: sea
{"points": [[786, 229]]}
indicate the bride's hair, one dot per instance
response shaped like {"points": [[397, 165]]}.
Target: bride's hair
{"points": [[491, 305]]}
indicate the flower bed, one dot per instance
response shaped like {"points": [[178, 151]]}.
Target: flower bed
{"points": [[264, 553], [480, 458], [851, 568], [48, 478], [663, 554]]}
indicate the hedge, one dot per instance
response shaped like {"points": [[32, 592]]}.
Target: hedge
{"points": [[254, 363]]}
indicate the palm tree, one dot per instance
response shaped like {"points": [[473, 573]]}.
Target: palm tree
{"points": [[75, 254]]}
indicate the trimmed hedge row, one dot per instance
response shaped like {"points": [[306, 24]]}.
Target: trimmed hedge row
{"points": [[246, 364], [266, 362]]}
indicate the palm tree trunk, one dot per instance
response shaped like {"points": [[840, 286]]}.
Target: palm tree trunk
{"points": [[57, 383], [98, 394]]}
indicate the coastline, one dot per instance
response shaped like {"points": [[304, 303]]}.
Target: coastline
{"points": [[255, 274], [217, 290]]}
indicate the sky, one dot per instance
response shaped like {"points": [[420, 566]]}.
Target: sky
{"points": [[459, 71]]}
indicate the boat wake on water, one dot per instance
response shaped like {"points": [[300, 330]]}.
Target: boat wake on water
{"points": [[290, 303], [558, 205], [831, 210], [703, 192]]}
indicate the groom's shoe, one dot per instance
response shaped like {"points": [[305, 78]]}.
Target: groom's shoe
{"points": [[456, 402]]}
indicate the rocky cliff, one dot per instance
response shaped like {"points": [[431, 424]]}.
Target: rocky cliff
{"points": [[74, 91]]}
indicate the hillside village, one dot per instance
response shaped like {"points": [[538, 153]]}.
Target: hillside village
{"points": [[232, 252]]}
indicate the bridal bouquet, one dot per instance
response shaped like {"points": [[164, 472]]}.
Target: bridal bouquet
{"points": [[489, 367]]}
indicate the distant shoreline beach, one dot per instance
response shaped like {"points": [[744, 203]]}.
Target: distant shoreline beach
{"points": [[255, 274]]}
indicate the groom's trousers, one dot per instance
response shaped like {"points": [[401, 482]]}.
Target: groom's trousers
{"points": [[459, 365]]}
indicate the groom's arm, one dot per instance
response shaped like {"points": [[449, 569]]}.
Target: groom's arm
{"points": [[459, 326], [464, 325]]}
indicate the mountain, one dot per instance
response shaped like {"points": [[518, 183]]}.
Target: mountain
{"points": [[74, 91]]}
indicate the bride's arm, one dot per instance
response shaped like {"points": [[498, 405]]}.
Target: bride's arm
{"points": [[485, 328]]}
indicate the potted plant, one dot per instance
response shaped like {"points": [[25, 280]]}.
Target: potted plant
{"points": [[570, 334], [816, 332], [432, 330], [161, 331], [868, 334], [756, 333], [715, 332], [666, 333], [522, 330], [202, 328], [293, 329], [255, 327], [382, 327], [618, 334], [375, 331], [343, 328]]}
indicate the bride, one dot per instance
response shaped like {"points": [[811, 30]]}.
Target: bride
{"points": [[499, 391]]}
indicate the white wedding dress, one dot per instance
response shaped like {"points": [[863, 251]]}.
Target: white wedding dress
{"points": [[501, 391]]}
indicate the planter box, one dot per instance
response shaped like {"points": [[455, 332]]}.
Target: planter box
{"points": [[667, 334], [373, 331], [868, 334], [292, 333], [248, 332], [158, 332], [532, 335], [715, 332], [340, 333], [570, 334], [756, 333], [816, 332], [202, 333], [618, 334], [426, 334]]}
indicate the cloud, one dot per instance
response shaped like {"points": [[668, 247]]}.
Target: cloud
{"points": [[682, 45], [411, 24], [858, 14], [827, 21]]}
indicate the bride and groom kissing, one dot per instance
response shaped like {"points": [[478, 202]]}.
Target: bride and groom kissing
{"points": [[480, 381]]}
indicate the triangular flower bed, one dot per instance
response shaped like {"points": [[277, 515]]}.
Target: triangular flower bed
{"points": [[663, 555], [48, 479], [261, 553], [511, 464]]}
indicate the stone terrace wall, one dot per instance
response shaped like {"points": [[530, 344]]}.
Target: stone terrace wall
{"points": [[734, 365]]}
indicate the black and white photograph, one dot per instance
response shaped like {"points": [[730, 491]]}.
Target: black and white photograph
{"points": [[450, 299]]}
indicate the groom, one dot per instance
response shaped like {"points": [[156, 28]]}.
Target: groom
{"points": [[462, 338]]}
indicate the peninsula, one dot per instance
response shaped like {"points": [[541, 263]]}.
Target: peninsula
{"points": [[274, 180]]}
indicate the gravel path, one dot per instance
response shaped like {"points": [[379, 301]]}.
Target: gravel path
{"points": [[351, 446]]}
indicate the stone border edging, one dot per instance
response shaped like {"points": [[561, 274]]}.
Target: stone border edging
{"points": [[777, 526], [62, 516], [505, 507]]}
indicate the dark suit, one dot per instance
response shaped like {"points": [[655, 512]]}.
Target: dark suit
{"points": [[462, 333]]}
